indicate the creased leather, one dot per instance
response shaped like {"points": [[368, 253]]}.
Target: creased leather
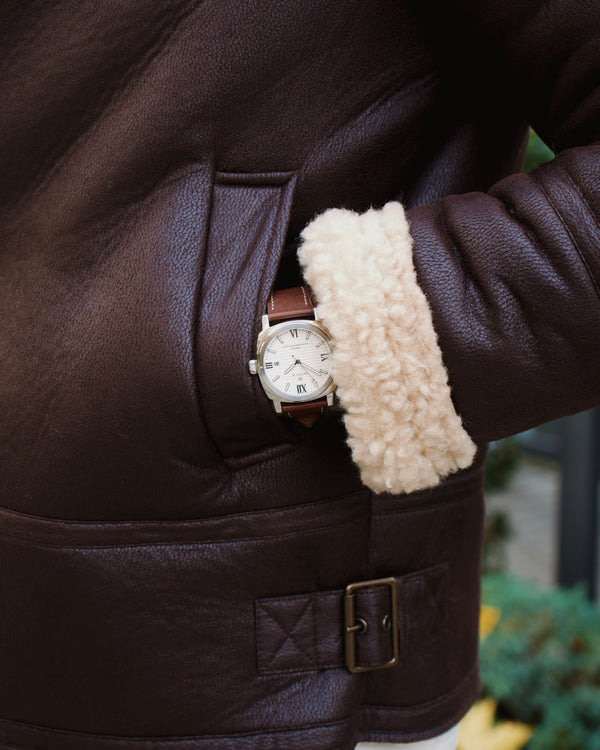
{"points": [[145, 530]]}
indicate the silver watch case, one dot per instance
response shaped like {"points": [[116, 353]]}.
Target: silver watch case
{"points": [[256, 366]]}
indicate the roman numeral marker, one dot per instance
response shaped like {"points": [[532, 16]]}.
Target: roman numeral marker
{"points": [[268, 365], [301, 388], [294, 333]]}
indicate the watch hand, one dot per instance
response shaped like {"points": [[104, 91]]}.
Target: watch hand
{"points": [[291, 367], [307, 371], [312, 369]]}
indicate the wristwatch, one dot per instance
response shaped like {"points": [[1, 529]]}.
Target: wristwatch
{"points": [[293, 356]]}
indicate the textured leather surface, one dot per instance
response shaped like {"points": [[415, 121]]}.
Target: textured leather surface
{"points": [[158, 161]]}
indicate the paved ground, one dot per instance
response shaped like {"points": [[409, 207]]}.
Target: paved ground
{"points": [[531, 501]]}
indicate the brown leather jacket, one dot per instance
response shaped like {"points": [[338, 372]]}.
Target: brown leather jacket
{"points": [[173, 554]]}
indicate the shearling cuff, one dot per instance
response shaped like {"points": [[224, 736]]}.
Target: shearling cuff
{"points": [[391, 381]]}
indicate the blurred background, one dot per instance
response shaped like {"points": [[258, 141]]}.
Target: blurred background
{"points": [[540, 621]]}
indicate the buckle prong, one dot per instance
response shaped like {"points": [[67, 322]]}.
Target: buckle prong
{"points": [[354, 626]]}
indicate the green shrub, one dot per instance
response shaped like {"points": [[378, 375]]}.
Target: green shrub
{"points": [[542, 662], [501, 462], [537, 152]]}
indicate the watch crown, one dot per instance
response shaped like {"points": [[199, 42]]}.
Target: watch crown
{"points": [[252, 366]]}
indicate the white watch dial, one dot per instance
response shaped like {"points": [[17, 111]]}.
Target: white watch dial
{"points": [[296, 361]]}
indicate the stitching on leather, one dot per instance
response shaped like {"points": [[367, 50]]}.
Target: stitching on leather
{"points": [[423, 707], [53, 162], [289, 634], [180, 545], [306, 304], [292, 670], [265, 671], [558, 215], [262, 670]]}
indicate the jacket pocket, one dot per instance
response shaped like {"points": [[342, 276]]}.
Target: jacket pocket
{"points": [[247, 229]]}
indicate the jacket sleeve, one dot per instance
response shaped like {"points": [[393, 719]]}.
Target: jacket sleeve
{"points": [[476, 317]]}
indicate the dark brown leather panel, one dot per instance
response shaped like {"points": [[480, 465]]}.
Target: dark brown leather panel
{"points": [[107, 614], [117, 125], [97, 359], [141, 637]]}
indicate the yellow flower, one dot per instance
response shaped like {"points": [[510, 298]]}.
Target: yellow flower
{"points": [[478, 731], [488, 619]]}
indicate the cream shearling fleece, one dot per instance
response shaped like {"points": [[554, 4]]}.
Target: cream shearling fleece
{"points": [[391, 381]]}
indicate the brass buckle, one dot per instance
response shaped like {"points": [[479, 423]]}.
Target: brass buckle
{"points": [[353, 628]]}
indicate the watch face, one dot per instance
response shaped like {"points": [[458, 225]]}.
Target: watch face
{"points": [[295, 361]]}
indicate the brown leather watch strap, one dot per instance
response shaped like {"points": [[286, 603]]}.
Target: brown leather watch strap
{"points": [[289, 304], [306, 413]]}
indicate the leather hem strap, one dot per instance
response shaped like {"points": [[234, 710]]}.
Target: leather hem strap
{"points": [[306, 632]]}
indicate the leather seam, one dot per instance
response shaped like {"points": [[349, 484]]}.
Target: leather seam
{"points": [[175, 738], [203, 249], [428, 704], [190, 522], [180, 545]]}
